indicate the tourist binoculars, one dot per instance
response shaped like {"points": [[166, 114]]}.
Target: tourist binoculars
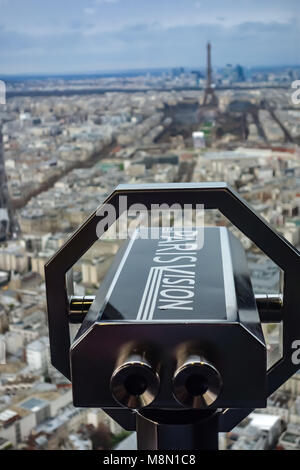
{"points": [[175, 325]]}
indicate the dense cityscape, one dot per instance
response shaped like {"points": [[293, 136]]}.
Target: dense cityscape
{"points": [[66, 143]]}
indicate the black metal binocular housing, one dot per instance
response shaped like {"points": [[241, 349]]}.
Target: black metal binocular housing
{"points": [[175, 326]]}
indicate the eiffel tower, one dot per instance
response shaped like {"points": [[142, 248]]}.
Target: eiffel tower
{"points": [[209, 93]]}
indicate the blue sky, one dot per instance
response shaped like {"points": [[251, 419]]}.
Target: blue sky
{"points": [[61, 36]]}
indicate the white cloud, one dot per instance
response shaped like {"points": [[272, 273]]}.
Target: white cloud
{"points": [[89, 11]]}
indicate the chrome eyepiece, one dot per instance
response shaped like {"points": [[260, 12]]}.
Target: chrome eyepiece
{"points": [[135, 383], [196, 383]]}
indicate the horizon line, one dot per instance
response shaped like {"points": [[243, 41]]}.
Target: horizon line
{"points": [[136, 70]]}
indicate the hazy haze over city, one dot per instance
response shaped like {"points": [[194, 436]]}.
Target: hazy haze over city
{"points": [[98, 35]]}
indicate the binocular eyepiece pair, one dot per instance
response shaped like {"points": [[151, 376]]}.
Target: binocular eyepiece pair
{"points": [[135, 382]]}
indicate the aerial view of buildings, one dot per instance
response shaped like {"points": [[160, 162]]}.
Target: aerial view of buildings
{"points": [[65, 143]]}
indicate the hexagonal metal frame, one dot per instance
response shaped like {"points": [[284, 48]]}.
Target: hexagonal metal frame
{"points": [[213, 196]]}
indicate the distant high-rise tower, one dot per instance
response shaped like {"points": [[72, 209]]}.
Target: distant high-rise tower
{"points": [[209, 94]]}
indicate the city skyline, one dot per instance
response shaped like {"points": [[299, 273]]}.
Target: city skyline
{"points": [[110, 35]]}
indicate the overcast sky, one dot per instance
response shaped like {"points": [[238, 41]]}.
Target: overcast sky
{"points": [[61, 36]]}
